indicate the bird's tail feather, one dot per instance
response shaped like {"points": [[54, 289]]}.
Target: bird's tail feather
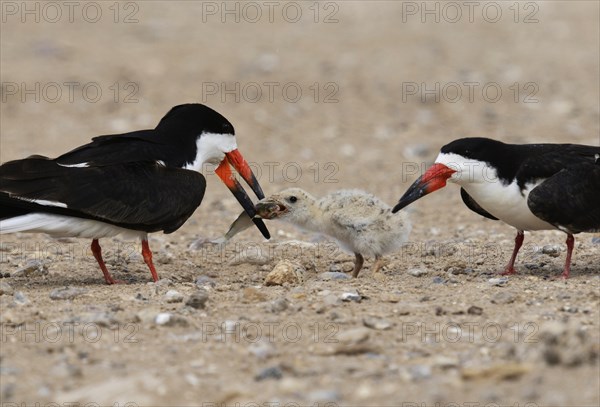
{"points": [[25, 223]]}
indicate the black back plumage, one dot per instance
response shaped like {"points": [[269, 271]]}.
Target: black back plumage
{"points": [[570, 199], [173, 141], [523, 162], [122, 181]]}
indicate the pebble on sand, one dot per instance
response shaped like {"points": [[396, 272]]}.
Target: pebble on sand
{"points": [[173, 296], [251, 294], [333, 275], [67, 293], [377, 323], [286, 272], [198, 299], [498, 281], [31, 267], [5, 288]]}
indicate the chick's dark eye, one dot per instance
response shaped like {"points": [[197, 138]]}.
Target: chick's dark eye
{"points": [[292, 199]]}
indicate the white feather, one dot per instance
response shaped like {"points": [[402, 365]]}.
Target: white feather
{"points": [[42, 202], [80, 165], [64, 226], [211, 149]]}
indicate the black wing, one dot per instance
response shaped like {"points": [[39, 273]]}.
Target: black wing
{"points": [[570, 199], [117, 149], [139, 195], [545, 160], [474, 206]]}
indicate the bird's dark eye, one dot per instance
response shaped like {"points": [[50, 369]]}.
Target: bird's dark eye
{"points": [[292, 199]]}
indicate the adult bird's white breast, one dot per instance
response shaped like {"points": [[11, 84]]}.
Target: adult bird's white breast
{"points": [[506, 201]]}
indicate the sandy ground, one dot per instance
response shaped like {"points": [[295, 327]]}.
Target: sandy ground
{"points": [[323, 96]]}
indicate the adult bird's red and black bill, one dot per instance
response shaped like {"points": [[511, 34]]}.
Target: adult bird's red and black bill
{"points": [[528, 186], [128, 184]]}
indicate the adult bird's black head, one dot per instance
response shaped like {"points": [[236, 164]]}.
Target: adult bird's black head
{"points": [[210, 138], [462, 161]]}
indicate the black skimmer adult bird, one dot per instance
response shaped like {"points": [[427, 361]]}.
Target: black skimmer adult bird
{"points": [[130, 184], [528, 186]]}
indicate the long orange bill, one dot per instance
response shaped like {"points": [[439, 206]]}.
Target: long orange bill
{"points": [[241, 166]]}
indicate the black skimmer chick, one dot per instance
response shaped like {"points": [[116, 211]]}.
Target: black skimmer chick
{"points": [[528, 186], [130, 184], [360, 222]]}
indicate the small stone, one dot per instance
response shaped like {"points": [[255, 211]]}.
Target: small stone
{"points": [[279, 305], [505, 371], [251, 294], [460, 270], [498, 281], [9, 317], [285, 272], [552, 356], [168, 319], [146, 315], [377, 323], [419, 372], [569, 309], [391, 297], [173, 296], [354, 336], [31, 267], [6, 289], [596, 240], [417, 272], [163, 318], [503, 297], [446, 362], [198, 299], [351, 296], [164, 282], [205, 282], [331, 300], [273, 372], [20, 298], [341, 268], [67, 293], [262, 349], [333, 275], [475, 310], [103, 319], [192, 379], [438, 280], [551, 250], [249, 257], [316, 397]]}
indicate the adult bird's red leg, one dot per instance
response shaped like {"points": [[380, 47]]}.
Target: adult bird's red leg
{"points": [[570, 244], [147, 255], [510, 267], [97, 251]]}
